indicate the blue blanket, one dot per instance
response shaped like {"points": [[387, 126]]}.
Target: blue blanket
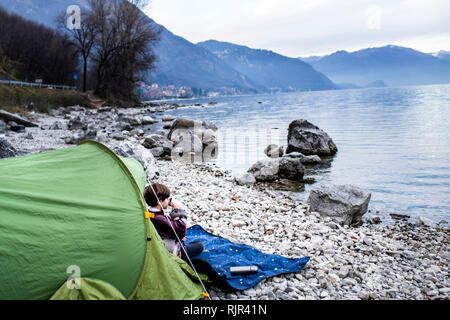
{"points": [[221, 254]]}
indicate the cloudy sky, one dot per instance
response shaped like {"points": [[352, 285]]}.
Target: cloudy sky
{"points": [[309, 27]]}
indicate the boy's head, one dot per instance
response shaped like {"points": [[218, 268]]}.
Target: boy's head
{"points": [[162, 192]]}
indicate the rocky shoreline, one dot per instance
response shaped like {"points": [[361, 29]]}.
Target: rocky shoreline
{"points": [[396, 261]]}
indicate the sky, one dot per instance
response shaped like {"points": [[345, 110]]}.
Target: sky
{"points": [[309, 27]]}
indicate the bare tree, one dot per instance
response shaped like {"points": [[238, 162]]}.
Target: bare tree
{"points": [[123, 48]]}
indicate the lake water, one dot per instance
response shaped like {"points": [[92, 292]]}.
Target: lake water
{"points": [[394, 142]]}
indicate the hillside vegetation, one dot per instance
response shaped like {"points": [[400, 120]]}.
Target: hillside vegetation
{"points": [[16, 99]]}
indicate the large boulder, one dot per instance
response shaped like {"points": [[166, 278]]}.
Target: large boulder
{"points": [[6, 149], [245, 179], [344, 204], [308, 139], [17, 118], [138, 152], [281, 168]]}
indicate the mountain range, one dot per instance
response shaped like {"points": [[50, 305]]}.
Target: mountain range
{"points": [[182, 63], [395, 65], [230, 68], [270, 69]]}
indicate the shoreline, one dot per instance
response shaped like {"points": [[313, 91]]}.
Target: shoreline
{"points": [[396, 261]]}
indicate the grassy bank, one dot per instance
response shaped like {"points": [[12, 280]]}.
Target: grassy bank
{"points": [[14, 97]]}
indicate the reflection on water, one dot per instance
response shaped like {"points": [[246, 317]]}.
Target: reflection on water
{"points": [[393, 141]]}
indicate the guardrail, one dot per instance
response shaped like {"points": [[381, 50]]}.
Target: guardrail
{"points": [[36, 85]]}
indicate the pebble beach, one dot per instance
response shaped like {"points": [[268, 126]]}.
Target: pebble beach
{"points": [[401, 260]]}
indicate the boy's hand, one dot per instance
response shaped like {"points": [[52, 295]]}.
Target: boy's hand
{"points": [[184, 239], [176, 219]]}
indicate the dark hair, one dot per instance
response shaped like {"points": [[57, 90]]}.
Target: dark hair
{"points": [[161, 190]]}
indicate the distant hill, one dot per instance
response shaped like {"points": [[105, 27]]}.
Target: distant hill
{"points": [[179, 62], [443, 55], [392, 64], [269, 69]]}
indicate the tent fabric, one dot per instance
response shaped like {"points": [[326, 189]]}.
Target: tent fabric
{"points": [[89, 289], [221, 254], [82, 206], [163, 280]]}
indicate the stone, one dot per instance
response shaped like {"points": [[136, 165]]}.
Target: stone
{"points": [[309, 139], [122, 125], [19, 119], [209, 125], [57, 125], [77, 123], [166, 118], [148, 120], [344, 271], [137, 132], [2, 126], [158, 141], [238, 223], [273, 169], [117, 136], [294, 155], [157, 152], [310, 159], [140, 153], [188, 144], [344, 204], [76, 137], [131, 120], [13, 126], [6, 149], [245, 179], [274, 151], [208, 137]]}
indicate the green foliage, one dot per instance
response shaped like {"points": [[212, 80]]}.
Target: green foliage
{"points": [[6, 65]]}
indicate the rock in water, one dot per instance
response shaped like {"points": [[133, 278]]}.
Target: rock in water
{"points": [[294, 155], [273, 169], [344, 204], [308, 139], [274, 151], [167, 118], [6, 150], [311, 159]]}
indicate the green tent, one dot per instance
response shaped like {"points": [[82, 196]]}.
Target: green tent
{"points": [[82, 208]]}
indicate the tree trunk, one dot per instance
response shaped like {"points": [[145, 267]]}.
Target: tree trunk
{"points": [[84, 74]]}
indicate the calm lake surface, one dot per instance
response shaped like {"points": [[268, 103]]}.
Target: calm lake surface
{"points": [[394, 142]]}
